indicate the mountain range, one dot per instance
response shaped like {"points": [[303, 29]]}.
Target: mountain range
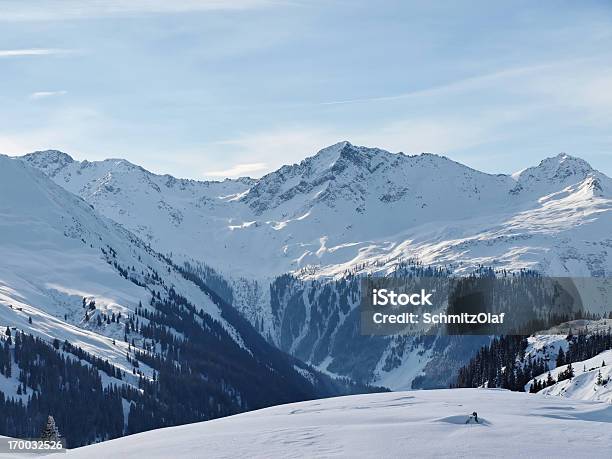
{"points": [[351, 210], [349, 205], [253, 284]]}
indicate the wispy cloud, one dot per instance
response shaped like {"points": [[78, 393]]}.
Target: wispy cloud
{"points": [[39, 10], [465, 84], [239, 170], [32, 52], [44, 94]]}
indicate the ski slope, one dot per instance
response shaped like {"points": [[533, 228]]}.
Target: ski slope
{"points": [[397, 424]]}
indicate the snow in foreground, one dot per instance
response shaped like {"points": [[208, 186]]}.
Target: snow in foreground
{"points": [[397, 424]]}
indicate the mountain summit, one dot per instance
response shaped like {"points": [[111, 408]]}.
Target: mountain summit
{"points": [[51, 162]]}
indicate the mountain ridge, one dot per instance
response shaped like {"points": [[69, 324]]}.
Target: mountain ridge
{"points": [[341, 182], [340, 149]]}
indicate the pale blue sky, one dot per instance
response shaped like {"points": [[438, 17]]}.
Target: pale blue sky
{"points": [[208, 88]]}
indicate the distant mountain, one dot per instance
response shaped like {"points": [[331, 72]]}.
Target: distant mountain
{"points": [[346, 211], [151, 340], [348, 206]]}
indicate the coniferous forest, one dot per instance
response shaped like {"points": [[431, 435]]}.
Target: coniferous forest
{"points": [[503, 364], [199, 373]]}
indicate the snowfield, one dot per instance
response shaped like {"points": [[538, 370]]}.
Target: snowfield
{"points": [[396, 424]]}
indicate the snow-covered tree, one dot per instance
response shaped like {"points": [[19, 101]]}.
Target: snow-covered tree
{"points": [[50, 432]]}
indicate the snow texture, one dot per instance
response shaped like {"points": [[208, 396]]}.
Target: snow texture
{"points": [[400, 424]]}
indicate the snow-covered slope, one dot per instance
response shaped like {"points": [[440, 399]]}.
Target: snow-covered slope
{"points": [[176, 216], [56, 250], [350, 205], [65, 271], [592, 380], [401, 424]]}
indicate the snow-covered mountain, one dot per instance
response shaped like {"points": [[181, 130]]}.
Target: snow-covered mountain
{"points": [[56, 250], [348, 206], [354, 209], [104, 298], [400, 424]]}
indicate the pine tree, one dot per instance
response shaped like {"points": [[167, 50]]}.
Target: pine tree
{"points": [[50, 432], [599, 381], [561, 358], [8, 368]]}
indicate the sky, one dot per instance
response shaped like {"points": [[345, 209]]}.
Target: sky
{"points": [[207, 89]]}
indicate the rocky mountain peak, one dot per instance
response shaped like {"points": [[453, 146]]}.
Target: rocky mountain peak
{"points": [[558, 168], [49, 161]]}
